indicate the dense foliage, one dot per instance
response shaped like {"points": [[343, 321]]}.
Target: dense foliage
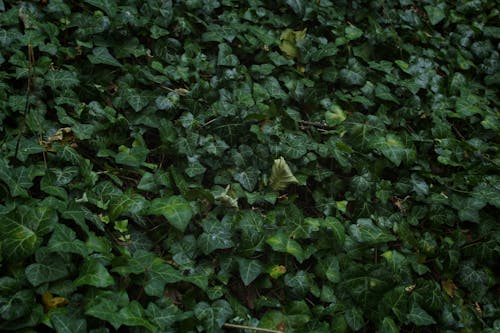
{"points": [[300, 166]]}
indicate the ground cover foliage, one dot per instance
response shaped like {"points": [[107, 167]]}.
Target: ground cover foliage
{"points": [[300, 166]]}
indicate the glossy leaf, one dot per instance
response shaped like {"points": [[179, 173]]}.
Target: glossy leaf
{"points": [[175, 209], [94, 273]]}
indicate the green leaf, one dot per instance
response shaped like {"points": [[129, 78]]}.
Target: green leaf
{"points": [[364, 231], [248, 178], [61, 79], [133, 157], [489, 190], [93, 273], [300, 283], [18, 179], [297, 6], [46, 271], [163, 317], [106, 306], [419, 317], [469, 209], [282, 243], [281, 175], [134, 315], [354, 318], [435, 13], [175, 209], [129, 202], [213, 316], [108, 6], [392, 147], [388, 326], [352, 32], [66, 323], [225, 56], [336, 228], [216, 235], [22, 230], [63, 240], [159, 275], [101, 55], [137, 99], [249, 270]]}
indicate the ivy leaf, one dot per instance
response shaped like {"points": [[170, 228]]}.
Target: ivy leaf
{"points": [[138, 100], [163, 317], [50, 269], [248, 178], [93, 273], [18, 179], [216, 235], [101, 55], [175, 209], [469, 209], [249, 270], [158, 275], [352, 32], [106, 305], [282, 243], [108, 6], [64, 240], [354, 318], [65, 323], [419, 317], [392, 147], [226, 57], [134, 315], [297, 6], [61, 79], [281, 175], [22, 230], [364, 231], [435, 13], [388, 326], [300, 283], [129, 202], [213, 316]]}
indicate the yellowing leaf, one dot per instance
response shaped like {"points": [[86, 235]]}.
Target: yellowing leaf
{"points": [[281, 175], [276, 271], [289, 38], [51, 302], [449, 287], [63, 136]]}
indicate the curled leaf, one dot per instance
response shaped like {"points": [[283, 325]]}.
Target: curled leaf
{"points": [[51, 302], [281, 175]]}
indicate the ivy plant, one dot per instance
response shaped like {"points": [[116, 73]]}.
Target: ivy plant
{"points": [[228, 166]]}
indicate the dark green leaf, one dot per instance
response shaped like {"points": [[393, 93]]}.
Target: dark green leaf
{"points": [[93, 273], [101, 55], [175, 209], [213, 316], [282, 243], [249, 270], [216, 235], [419, 317], [365, 231]]}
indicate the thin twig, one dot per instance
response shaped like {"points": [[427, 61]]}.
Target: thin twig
{"points": [[314, 124], [27, 105], [258, 329]]}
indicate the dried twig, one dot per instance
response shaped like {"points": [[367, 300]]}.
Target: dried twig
{"points": [[314, 124], [31, 62]]}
